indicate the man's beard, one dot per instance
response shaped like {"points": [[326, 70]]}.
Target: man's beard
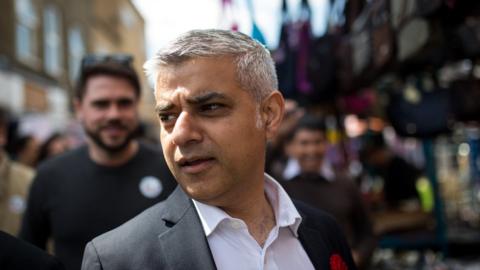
{"points": [[95, 136]]}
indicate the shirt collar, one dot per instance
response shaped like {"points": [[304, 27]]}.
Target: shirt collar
{"points": [[286, 215], [210, 216], [292, 170]]}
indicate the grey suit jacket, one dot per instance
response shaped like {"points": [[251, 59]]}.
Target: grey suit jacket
{"points": [[170, 235]]}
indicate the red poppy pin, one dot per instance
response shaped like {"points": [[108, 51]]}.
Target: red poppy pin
{"points": [[337, 263]]}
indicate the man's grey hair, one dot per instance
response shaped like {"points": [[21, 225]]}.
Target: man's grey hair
{"points": [[255, 69]]}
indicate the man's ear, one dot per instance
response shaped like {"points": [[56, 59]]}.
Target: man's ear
{"points": [[273, 108], [77, 105]]}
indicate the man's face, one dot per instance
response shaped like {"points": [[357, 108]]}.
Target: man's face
{"points": [[209, 132], [308, 147], [108, 112]]}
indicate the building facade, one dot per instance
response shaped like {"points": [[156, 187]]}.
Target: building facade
{"points": [[42, 44]]}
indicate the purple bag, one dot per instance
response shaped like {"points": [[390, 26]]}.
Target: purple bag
{"points": [[293, 53], [304, 41]]}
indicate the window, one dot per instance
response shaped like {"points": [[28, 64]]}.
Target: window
{"points": [[26, 31], [52, 41], [76, 50]]}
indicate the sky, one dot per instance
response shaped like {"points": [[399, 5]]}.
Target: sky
{"points": [[166, 19]]}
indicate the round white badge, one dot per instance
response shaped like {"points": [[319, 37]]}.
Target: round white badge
{"points": [[16, 204], [150, 187]]}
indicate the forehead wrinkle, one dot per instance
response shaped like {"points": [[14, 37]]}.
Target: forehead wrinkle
{"points": [[167, 95], [204, 97]]}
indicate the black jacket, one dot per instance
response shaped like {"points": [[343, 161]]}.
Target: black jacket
{"points": [[16, 254], [169, 235]]}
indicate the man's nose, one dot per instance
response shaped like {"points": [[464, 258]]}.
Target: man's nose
{"points": [[312, 148], [186, 130], [113, 111]]}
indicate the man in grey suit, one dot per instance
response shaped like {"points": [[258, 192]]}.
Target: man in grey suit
{"points": [[218, 105]]}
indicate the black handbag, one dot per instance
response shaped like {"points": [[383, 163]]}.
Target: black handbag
{"points": [[285, 56], [293, 53], [322, 68], [382, 35], [425, 115]]}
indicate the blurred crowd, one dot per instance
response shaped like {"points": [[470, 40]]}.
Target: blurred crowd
{"points": [[361, 181]]}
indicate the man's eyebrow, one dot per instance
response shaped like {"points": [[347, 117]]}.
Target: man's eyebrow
{"points": [[199, 99], [202, 98], [163, 107]]}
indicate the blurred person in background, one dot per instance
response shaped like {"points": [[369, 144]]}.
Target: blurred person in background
{"points": [[95, 188], [339, 197], [15, 180], [24, 149], [399, 177], [277, 158], [401, 199], [54, 145]]}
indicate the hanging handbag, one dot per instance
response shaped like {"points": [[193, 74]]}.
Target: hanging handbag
{"points": [[360, 42], [382, 35], [401, 11], [416, 112], [293, 54], [285, 56], [361, 52], [322, 67], [303, 83], [412, 37]]}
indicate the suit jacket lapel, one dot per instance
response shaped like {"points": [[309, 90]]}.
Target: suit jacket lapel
{"points": [[184, 245], [314, 245]]}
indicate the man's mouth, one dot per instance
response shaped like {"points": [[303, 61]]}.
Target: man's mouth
{"points": [[114, 129], [114, 126], [195, 165]]}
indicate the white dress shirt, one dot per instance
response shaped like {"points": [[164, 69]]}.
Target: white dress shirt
{"points": [[234, 248], [292, 169]]}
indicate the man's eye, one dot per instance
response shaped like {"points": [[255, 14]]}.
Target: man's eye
{"points": [[211, 107], [166, 117], [125, 103], [101, 104]]}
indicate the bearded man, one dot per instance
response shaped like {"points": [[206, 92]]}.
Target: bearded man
{"points": [[95, 188]]}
